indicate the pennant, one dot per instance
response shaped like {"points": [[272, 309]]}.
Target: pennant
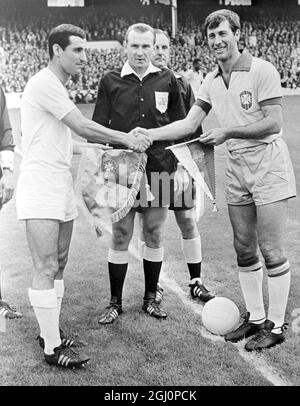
{"points": [[108, 183], [199, 161]]}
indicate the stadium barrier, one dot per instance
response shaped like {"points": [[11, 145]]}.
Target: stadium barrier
{"points": [[14, 99]]}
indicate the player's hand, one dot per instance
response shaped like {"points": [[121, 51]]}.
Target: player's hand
{"points": [[215, 136], [181, 180], [6, 187], [139, 140], [140, 131]]}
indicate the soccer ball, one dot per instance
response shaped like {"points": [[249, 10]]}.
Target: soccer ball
{"points": [[220, 316]]}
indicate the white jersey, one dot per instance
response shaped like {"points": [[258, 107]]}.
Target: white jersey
{"points": [[46, 140]]}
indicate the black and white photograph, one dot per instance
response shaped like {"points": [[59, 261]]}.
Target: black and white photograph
{"points": [[149, 216]]}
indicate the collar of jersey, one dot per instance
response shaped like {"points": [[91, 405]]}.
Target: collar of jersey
{"points": [[127, 70], [242, 64]]}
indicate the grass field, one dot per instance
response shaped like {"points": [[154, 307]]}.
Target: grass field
{"points": [[138, 350]]}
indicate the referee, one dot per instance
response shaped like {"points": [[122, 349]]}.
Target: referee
{"points": [[183, 205], [140, 95]]}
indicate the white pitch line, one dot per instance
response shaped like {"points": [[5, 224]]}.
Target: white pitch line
{"points": [[257, 360], [254, 359]]}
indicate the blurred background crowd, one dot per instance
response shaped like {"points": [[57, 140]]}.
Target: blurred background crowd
{"points": [[272, 33]]}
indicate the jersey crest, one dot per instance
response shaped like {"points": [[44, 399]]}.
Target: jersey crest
{"points": [[161, 101], [246, 99]]}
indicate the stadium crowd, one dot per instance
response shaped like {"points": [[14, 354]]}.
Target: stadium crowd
{"points": [[23, 45]]}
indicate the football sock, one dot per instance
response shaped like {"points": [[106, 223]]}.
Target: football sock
{"points": [[152, 261], [192, 253], [251, 284], [44, 303], [117, 268], [59, 287], [279, 287]]}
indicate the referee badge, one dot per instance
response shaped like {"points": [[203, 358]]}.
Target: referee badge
{"points": [[161, 101], [246, 100]]}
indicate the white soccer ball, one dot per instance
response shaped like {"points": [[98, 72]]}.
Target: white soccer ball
{"points": [[220, 316]]}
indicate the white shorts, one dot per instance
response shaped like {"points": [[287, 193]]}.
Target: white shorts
{"points": [[46, 195]]}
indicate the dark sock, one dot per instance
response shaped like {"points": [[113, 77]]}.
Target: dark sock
{"points": [[194, 270], [151, 272], [117, 273]]}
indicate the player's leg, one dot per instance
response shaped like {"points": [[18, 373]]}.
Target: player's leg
{"points": [[117, 265], [191, 247], [42, 237], [271, 224], [141, 244], [244, 224], [154, 220], [6, 310], [141, 238], [64, 240]]}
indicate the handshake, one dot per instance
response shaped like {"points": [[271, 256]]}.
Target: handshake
{"points": [[139, 139]]}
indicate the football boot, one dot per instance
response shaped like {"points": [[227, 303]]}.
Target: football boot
{"points": [[265, 338]]}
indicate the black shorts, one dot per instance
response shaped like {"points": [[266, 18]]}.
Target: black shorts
{"points": [[160, 187]]}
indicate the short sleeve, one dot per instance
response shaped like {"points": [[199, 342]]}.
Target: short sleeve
{"points": [[268, 83], [52, 97], [203, 93]]}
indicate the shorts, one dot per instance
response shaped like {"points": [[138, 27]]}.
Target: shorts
{"points": [[46, 195], [184, 201], [159, 186], [260, 175]]}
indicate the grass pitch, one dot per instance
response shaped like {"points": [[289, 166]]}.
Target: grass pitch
{"points": [[138, 350]]}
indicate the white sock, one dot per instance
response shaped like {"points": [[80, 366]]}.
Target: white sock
{"points": [[44, 303], [59, 287], [153, 254], [192, 250], [194, 280], [279, 287], [251, 284]]}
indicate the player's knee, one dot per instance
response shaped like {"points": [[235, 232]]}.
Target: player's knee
{"points": [[153, 235], [244, 247], [47, 266], [187, 227], [121, 238], [271, 252]]}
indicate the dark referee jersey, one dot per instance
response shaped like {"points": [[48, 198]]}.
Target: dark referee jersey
{"points": [[188, 99], [6, 137], [125, 102]]}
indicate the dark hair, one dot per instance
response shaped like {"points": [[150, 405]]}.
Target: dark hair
{"points": [[196, 60], [214, 19], [61, 35], [140, 27], [158, 31]]}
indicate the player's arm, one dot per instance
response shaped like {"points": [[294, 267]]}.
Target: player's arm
{"points": [[181, 128], [92, 131], [271, 123]]}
